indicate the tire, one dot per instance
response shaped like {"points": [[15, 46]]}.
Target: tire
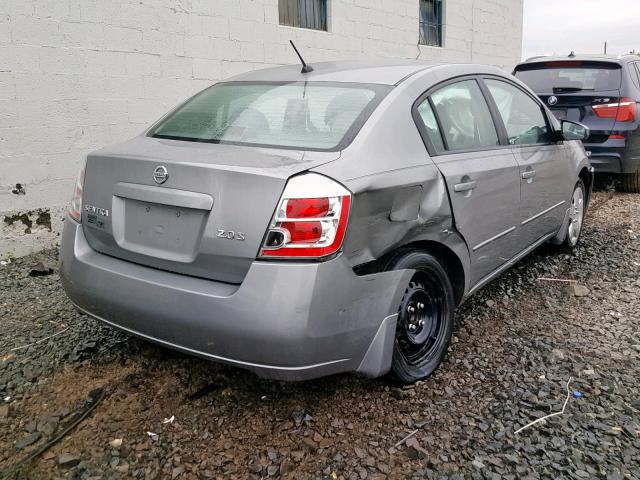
{"points": [[577, 210], [425, 317], [631, 182]]}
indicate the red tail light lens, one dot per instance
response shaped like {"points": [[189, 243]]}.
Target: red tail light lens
{"points": [[75, 208], [303, 232], [307, 207], [626, 110], [311, 219]]}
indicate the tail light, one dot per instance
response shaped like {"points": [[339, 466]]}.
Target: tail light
{"points": [[310, 221], [75, 208], [626, 110]]}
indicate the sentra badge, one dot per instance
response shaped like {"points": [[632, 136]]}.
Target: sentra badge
{"points": [[101, 212]]}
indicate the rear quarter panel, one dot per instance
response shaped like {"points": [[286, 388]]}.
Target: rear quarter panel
{"points": [[399, 194]]}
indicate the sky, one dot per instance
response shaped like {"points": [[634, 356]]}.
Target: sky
{"points": [[560, 26]]}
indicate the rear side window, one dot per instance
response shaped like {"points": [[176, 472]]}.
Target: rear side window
{"points": [[307, 116], [431, 125], [570, 76], [522, 116], [634, 71], [464, 117]]}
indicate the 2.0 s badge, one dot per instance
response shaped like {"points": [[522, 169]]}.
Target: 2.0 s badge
{"points": [[231, 235]]}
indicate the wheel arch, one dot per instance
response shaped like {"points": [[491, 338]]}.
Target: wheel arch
{"points": [[451, 261], [587, 177]]}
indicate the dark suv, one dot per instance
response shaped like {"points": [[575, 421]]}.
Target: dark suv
{"points": [[601, 92]]}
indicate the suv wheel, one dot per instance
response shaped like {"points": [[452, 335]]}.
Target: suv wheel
{"points": [[425, 318], [631, 182]]}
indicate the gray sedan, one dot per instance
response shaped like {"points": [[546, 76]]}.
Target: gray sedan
{"points": [[301, 224]]}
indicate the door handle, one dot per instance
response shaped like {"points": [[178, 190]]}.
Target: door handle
{"points": [[528, 174], [464, 187]]}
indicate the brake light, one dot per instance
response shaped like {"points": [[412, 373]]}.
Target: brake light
{"points": [[563, 63], [626, 110], [311, 219], [75, 208], [616, 137]]}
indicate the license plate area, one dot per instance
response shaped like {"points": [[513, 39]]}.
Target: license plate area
{"points": [[560, 113], [162, 231]]}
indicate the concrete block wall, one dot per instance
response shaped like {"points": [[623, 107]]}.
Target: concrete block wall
{"points": [[76, 75]]}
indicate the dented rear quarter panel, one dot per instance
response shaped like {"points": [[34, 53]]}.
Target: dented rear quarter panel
{"points": [[400, 196]]}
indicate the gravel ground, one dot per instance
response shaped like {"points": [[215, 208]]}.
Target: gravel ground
{"points": [[517, 344]]}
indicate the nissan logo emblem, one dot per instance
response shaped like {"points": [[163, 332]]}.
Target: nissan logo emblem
{"points": [[552, 100], [160, 174]]}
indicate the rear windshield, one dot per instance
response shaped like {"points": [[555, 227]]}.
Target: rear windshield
{"points": [[567, 77], [309, 116]]}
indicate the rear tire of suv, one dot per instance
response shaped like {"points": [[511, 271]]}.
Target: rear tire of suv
{"points": [[631, 182], [425, 317]]}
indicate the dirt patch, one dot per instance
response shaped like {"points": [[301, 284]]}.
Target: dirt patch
{"points": [[41, 217]]}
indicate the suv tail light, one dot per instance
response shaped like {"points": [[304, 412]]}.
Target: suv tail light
{"points": [[310, 221], [625, 110], [75, 208]]}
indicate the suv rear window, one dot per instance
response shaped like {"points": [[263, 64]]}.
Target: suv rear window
{"points": [[308, 116], [570, 76]]}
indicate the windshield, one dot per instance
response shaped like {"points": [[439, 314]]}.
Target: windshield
{"points": [[559, 77], [311, 116]]}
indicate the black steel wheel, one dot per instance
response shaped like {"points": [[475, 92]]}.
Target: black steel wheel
{"points": [[425, 318]]}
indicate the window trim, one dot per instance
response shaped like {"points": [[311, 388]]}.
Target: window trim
{"points": [[501, 132], [543, 109]]}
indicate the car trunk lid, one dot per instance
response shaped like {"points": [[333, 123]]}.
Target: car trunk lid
{"points": [[198, 209], [578, 107]]}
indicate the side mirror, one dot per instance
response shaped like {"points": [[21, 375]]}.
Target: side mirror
{"points": [[574, 131]]}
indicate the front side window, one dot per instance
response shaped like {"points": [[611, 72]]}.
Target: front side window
{"points": [[431, 22], [312, 116], [303, 13], [522, 116], [464, 116]]}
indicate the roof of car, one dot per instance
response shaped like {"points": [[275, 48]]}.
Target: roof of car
{"points": [[383, 72], [593, 57]]}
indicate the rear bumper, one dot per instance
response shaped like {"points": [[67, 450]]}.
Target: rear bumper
{"points": [[616, 156], [290, 321]]}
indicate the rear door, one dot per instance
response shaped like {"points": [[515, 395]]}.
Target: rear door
{"points": [[482, 175], [572, 89], [545, 171]]}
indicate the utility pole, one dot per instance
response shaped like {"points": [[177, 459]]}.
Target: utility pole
{"points": [[605, 48]]}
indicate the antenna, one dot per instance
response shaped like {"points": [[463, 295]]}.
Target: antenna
{"points": [[305, 68]]}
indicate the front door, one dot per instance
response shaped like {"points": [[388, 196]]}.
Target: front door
{"points": [[482, 176], [545, 172]]}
